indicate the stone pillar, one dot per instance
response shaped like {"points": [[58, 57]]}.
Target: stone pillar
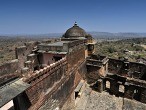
{"points": [[114, 87], [129, 91], [143, 96], [21, 102], [101, 85]]}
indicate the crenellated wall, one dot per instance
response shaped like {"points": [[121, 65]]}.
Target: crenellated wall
{"points": [[44, 81], [53, 85]]}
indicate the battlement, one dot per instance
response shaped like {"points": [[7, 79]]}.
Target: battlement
{"points": [[46, 70]]}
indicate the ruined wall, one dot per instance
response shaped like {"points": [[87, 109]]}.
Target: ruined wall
{"points": [[97, 66], [123, 86], [9, 71], [114, 65], [136, 70], [32, 61], [92, 73], [125, 68], [23, 51], [8, 68]]}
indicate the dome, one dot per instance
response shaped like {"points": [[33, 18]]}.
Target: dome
{"points": [[74, 32]]}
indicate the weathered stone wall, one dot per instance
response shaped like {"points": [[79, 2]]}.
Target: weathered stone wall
{"points": [[34, 60], [48, 58], [79, 72], [23, 51], [125, 68], [137, 70], [97, 66], [8, 68], [51, 86], [50, 48], [75, 56], [44, 81], [63, 97], [92, 73], [54, 84], [45, 78], [60, 95], [9, 71], [114, 65], [122, 86]]}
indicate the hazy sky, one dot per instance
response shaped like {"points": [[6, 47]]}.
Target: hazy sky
{"points": [[54, 16]]}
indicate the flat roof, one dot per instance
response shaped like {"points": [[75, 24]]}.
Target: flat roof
{"points": [[60, 43], [51, 52], [11, 90]]}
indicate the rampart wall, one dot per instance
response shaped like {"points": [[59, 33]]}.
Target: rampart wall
{"points": [[51, 86], [43, 80]]}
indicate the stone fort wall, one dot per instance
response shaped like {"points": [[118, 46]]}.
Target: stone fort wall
{"points": [[53, 85]]}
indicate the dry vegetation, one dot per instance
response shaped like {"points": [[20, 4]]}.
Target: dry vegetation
{"points": [[131, 49]]}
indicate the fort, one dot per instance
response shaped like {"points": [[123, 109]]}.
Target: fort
{"points": [[52, 75]]}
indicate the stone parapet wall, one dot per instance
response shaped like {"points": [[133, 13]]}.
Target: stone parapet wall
{"points": [[43, 80], [47, 48], [51, 86], [64, 89]]}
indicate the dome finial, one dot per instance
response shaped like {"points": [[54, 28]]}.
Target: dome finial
{"points": [[75, 24]]}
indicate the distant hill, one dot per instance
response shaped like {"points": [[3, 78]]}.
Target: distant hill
{"points": [[117, 35], [99, 35]]}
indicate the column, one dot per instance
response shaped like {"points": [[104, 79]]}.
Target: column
{"points": [[101, 85]]}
